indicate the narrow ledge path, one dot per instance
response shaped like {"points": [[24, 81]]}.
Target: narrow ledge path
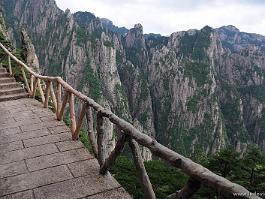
{"points": [[39, 160]]}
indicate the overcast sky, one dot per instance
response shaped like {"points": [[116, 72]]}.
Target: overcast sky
{"points": [[167, 16]]}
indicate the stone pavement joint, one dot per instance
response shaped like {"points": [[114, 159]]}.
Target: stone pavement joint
{"points": [[38, 158]]}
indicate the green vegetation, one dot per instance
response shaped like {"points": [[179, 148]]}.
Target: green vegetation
{"points": [[143, 117], [84, 139], [203, 132], [261, 123], [194, 45], [108, 44], [248, 171], [199, 71], [260, 71], [118, 58], [82, 135], [4, 58], [233, 123], [91, 80], [5, 42], [135, 54], [163, 106], [181, 137], [166, 78], [230, 109], [122, 103], [83, 36], [144, 88], [192, 103], [256, 91], [165, 180]]}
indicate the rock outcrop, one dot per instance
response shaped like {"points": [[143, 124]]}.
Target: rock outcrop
{"points": [[196, 91], [29, 51]]}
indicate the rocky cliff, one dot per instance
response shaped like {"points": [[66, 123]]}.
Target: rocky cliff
{"points": [[195, 91]]}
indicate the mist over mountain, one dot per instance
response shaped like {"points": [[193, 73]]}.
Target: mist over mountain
{"points": [[196, 91]]}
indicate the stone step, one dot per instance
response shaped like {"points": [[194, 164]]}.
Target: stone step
{"points": [[5, 74], [9, 85], [13, 97], [2, 70], [7, 80], [11, 91]]}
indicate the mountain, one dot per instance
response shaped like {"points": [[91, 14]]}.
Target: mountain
{"points": [[109, 26], [196, 91]]}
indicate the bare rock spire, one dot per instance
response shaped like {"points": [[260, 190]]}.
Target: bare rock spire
{"points": [[29, 51]]}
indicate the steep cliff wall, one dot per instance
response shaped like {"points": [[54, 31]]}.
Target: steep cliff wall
{"points": [[196, 91]]}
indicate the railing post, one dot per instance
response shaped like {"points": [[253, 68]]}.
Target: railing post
{"points": [[90, 130], [34, 89], [41, 91], [140, 168], [31, 83], [9, 65], [26, 80], [58, 99], [101, 139], [80, 121], [53, 97], [114, 154], [47, 94], [66, 95], [72, 112]]}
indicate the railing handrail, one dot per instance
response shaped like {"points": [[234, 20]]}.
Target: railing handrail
{"points": [[197, 173]]}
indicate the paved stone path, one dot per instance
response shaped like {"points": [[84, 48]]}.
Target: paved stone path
{"points": [[39, 160]]}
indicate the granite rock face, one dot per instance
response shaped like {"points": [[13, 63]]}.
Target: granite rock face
{"points": [[196, 91], [29, 51]]}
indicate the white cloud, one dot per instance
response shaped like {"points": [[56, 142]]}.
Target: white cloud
{"points": [[167, 16]]}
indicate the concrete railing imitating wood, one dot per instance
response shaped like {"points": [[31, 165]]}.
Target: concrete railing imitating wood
{"points": [[198, 175]]}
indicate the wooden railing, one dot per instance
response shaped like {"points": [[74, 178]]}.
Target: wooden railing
{"points": [[198, 175]]}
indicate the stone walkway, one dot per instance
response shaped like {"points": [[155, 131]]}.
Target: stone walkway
{"points": [[39, 160]]}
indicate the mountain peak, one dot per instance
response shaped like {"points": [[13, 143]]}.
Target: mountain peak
{"points": [[138, 26], [84, 18], [230, 28]]}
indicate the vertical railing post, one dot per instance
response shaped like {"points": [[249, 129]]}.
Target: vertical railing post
{"points": [[65, 99], [140, 168], [47, 94], [72, 112], [25, 80], [53, 97], [9, 65], [58, 99], [41, 91], [114, 154], [31, 83], [80, 121], [34, 89], [90, 130], [101, 139]]}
